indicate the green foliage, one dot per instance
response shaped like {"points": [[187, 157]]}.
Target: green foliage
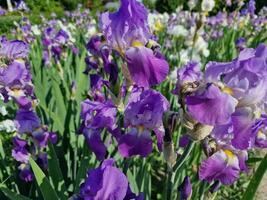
{"points": [[7, 22], [168, 5], [256, 179], [43, 182]]}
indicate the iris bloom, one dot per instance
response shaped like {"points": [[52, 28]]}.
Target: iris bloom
{"points": [[143, 114]]}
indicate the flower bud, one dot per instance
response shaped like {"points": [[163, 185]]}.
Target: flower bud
{"points": [[185, 189]]}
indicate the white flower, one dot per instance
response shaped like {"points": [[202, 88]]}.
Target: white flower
{"points": [[178, 30], [35, 29], [3, 110], [207, 5], [173, 75], [192, 3], [8, 126]]}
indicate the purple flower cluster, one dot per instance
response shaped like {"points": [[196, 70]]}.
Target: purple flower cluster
{"points": [[127, 35], [107, 182], [56, 41], [230, 97], [127, 32], [31, 136], [122, 109]]}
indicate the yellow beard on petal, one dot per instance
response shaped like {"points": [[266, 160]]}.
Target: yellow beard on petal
{"points": [[228, 90], [229, 153], [137, 43]]}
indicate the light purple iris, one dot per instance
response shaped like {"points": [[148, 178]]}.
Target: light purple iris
{"points": [[14, 72], [189, 73], [146, 68], [14, 49], [246, 75], [260, 132], [106, 182], [211, 106], [223, 166], [19, 151], [126, 25], [245, 79], [2, 11], [96, 117], [143, 114]]}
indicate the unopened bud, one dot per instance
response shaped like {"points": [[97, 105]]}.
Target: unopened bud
{"points": [[196, 130], [169, 153]]}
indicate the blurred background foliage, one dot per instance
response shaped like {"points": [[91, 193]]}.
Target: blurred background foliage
{"points": [[46, 7]]}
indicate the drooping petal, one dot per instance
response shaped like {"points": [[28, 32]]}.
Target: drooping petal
{"points": [[27, 121], [211, 106], [95, 143], [135, 143], [146, 69], [242, 129], [221, 167]]}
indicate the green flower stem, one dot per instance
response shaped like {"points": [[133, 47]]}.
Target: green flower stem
{"points": [[176, 167]]}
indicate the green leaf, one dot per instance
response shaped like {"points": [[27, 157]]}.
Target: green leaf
{"points": [[12, 195], [61, 108], [55, 172], [256, 179], [47, 190]]}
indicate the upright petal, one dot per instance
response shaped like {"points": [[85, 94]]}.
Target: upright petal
{"points": [[129, 23]]}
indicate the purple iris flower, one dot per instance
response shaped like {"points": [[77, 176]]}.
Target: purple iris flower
{"points": [[25, 173], [211, 106], [260, 132], [251, 6], [146, 68], [97, 116], [143, 113], [223, 166], [2, 11], [27, 121], [105, 182], [62, 37], [14, 49], [97, 84], [126, 25], [246, 75], [41, 137], [240, 43], [245, 78], [14, 72], [185, 189], [42, 161], [19, 151], [94, 45], [90, 64], [188, 74]]}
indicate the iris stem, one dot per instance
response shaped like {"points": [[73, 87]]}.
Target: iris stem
{"points": [[184, 156], [176, 167], [202, 190]]}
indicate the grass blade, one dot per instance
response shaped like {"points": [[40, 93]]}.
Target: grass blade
{"points": [[256, 179], [12, 195], [47, 190]]}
